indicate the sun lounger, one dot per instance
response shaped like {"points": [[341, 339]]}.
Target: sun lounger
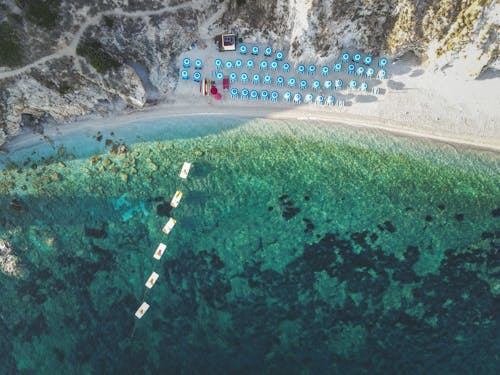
{"points": [[142, 310], [186, 63], [159, 251], [169, 225], [152, 280], [176, 199], [185, 170]]}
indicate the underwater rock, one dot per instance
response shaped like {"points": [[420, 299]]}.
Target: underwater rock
{"points": [[96, 232], [428, 218], [495, 212], [459, 217], [9, 263], [106, 162], [17, 204], [164, 209], [124, 177], [289, 211]]}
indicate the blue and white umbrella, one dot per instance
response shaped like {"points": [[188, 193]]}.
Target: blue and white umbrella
{"points": [[338, 84], [196, 76], [382, 62], [308, 98], [255, 50], [238, 64], [219, 76], [330, 100], [311, 69], [267, 79], [350, 68], [218, 63], [186, 63], [287, 95], [274, 65], [291, 82], [250, 64], [243, 49], [244, 78], [316, 85], [367, 60], [274, 96], [285, 67], [198, 64], [320, 99], [364, 86], [353, 84], [229, 64], [337, 67], [303, 84], [328, 84], [345, 56], [268, 51], [234, 93], [263, 65], [254, 95], [360, 71], [184, 74], [381, 74], [301, 69], [232, 77], [370, 72], [244, 94], [280, 55], [356, 58], [325, 70], [280, 81], [264, 94], [256, 79], [297, 98]]}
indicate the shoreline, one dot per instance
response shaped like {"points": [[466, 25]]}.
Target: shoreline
{"points": [[275, 111]]}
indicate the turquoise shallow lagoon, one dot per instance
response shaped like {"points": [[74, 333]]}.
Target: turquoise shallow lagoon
{"points": [[300, 247]]}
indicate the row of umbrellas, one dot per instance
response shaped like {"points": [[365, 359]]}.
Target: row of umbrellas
{"points": [[287, 97]]}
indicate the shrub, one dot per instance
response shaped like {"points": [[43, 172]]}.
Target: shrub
{"points": [[11, 54], [94, 52], [42, 12]]}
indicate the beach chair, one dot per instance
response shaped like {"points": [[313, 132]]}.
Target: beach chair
{"points": [[254, 95], [151, 280], [264, 95], [311, 69], [340, 103], [320, 100], [360, 71], [243, 49], [229, 64], [297, 98], [330, 100], [263, 65], [219, 76], [238, 64], [356, 58], [244, 94], [375, 91], [287, 96], [303, 84], [367, 60], [225, 84], [274, 96], [250, 64], [381, 74], [234, 93], [256, 79], [232, 77], [382, 62], [244, 78], [285, 67], [159, 251], [308, 98], [339, 84], [198, 64], [345, 57], [328, 85], [280, 81], [353, 84], [301, 69], [364, 86], [218, 64], [316, 85], [169, 226], [141, 310], [255, 50], [291, 82], [196, 76], [274, 66], [325, 70], [268, 51], [267, 79], [337, 67], [370, 72], [280, 55], [350, 68], [185, 170], [186, 63], [184, 74]]}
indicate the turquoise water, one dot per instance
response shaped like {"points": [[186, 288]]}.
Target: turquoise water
{"points": [[300, 247]]}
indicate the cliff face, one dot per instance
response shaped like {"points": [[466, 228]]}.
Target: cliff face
{"points": [[82, 54]]}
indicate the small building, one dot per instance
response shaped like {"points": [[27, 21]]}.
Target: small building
{"points": [[226, 42]]}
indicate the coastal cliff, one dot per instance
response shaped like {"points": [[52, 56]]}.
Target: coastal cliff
{"points": [[60, 61]]}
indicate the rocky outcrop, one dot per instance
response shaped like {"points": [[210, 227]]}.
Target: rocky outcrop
{"points": [[9, 263]]}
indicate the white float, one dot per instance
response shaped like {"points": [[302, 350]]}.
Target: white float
{"points": [[168, 227], [152, 280], [142, 310], [176, 199], [159, 251], [185, 170]]}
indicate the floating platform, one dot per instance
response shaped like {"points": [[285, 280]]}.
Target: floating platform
{"points": [[159, 251], [142, 310], [168, 227], [152, 280], [176, 199], [185, 170]]}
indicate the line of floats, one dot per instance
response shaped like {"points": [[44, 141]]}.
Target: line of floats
{"points": [[167, 228]]}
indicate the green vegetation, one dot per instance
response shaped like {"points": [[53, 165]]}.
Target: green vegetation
{"points": [[41, 12], [108, 21], [11, 54], [94, 52]]}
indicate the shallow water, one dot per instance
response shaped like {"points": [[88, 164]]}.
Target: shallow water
{"points": [[300, 247]]}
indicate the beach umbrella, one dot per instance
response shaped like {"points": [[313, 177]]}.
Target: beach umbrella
{"points": [[264, 95], [234, 93], [184, 74], [244, 94], [243, 49], [356, 58], [198, 64], [232, 77], [337, 67], [370, 72], [229, 64], [330, 100], [218, 96], [353, 84], [381, 74], [218, 63], [360, 71], [301, 68], [280, 81], [316, 85], [350, 68], [285, 67], [196, 76], [287, 95], [297, 98], [303, 84], [328, 84], [320, 99], [244, 78], [382, 62], [311, 69], [238, 64], [274, 65], [292, 82], [345, 56], [254, 95], [255, 50], [325, 70], [338, 84], [256, 79], [274, 96], [280, 55], [268, 51], [367, 60], [219, 76], [213, 90], [263, 65], [308, 98], [250, 64], [364, 86], [267, 79], [186, 63]]}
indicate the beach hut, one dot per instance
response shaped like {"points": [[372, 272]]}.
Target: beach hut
{"points": [[308, 98], [238, 64], [325, 70], [370, 72], [169, 225], [226, 42], [311, 69], [360, 71], [219, 76], [263, 65], [287, 96], [345, 57], [218, 64], [234, 93], [256, 79], [142, 310], [381, 74], [285, 67], [353, 84], [250, 64], [291, 82], [232, 77], [382, 62], [328, 84], [159, 251], [363, 86], [367, 60], [274, 66], [244, 78], [185, 170], [198, 64], [280, 55], [301, 69], [254, 95], [274, 96], [280, 81], [243, 49], [330, 100], [337, 67], [297, 98], [244, 94], [186, 63], [303, 84], [229, 64], [267, 79], [152, 280], [316, 85], [320, 99], [350, 68], [255, 50], [356, 57], [196, 76], [176, 199], [338, 84], [264, 95], [268, 51], [184, 74]]}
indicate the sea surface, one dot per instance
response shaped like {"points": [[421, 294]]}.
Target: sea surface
{"points": [[301, 247]]}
